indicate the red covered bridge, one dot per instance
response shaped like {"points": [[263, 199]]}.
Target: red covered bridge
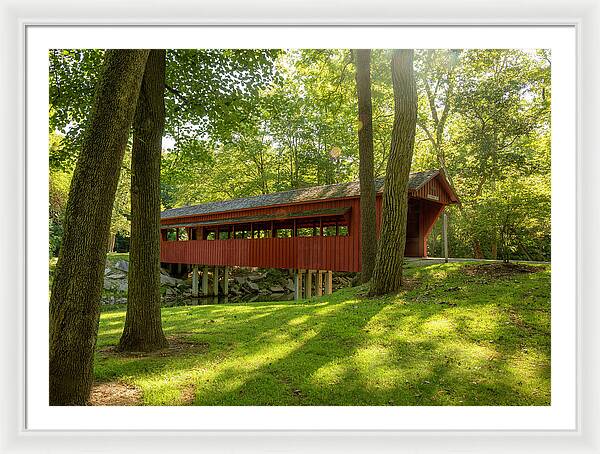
{"points": [[316, 228]]}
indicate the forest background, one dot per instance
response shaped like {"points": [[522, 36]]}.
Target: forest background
{"points": [[261, 121]]}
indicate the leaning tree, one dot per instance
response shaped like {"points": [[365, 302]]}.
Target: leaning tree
{"points": [[77, 285], [387, 275]]}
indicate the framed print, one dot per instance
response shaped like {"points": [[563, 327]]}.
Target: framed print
{"points": [[528, 381]]}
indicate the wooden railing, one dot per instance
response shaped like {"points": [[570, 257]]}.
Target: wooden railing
{"points": [[337, 253]]}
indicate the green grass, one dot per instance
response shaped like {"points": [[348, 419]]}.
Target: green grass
{"points": [[451, 339]]}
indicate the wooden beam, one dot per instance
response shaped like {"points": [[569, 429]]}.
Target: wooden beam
{"points": [[297, 285], [205, 281], [216, 281], [195, 281], [309, 280], [445, 235], [226, 281], [329, 283], [319, 289]]}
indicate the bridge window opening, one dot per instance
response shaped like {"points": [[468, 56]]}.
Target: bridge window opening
{"points": [[304, 231], [182, 234], [283, 233], [170, 234], [224, 234], [329, 230]]}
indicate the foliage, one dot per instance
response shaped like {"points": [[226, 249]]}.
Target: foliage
{"points": [[249, 122], [454, 338]]}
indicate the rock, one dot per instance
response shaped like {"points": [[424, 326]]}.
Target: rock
{"points": [[241, 280], [122, 265], [116, 274], [276, 289], [123, 287], [107, 271], [170, 281], [256, 277], [164, 271], [252, 286], [170, 292], [290, 285], [110, 284]]}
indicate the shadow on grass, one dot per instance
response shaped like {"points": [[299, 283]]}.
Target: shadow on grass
{"points": [[450, 341]]}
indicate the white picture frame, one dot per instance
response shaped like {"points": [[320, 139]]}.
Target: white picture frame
{"points": [[583, 15]]}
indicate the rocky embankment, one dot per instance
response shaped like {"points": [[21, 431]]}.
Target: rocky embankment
{"points": [[244, 284]]}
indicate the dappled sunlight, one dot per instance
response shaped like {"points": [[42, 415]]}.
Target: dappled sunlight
{"points": [[329, 374], [439, 326], [450, 343], [298, 320]]}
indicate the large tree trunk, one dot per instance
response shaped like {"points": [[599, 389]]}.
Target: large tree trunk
{"points": [[365, 147], [387, 275], [143, 331], [77, 286]]}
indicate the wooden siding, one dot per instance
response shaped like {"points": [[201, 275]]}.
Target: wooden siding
{"points": [[337, 253], [325, 253], [433, 191]]}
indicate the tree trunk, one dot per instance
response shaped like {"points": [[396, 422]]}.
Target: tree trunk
{"points": [[387, 275], [494, 251], [365, 148], [77, 286], [112, 237], [143, 330]]}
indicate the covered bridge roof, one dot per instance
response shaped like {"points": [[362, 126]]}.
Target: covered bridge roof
{"points": [[310, 194]]}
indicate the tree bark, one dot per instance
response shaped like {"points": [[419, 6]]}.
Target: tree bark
{"points": [[112, 237], [143, 330], [387, 275], [77, 286], [366, 164]]}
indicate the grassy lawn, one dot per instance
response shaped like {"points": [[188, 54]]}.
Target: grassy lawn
{"points": [[459, 335]]}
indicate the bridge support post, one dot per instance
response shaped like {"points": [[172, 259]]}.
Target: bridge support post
{"points": [[309, 280], [216, 281], [298, 284], [445, 235], [195, 281], [205, 281], [319, 289], [329, 283], [226, 281]]}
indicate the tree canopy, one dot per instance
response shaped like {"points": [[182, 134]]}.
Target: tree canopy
{"points": [[249, 122]]}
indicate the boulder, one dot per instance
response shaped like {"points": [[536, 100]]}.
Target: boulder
{"points": [[276, 289], [115, 274], [170, 292], [168, 280], [290, 285], [164, 271], [241, 280], [110, 284], [122, 265], [252, 286], [257, 277], [123, 287]]}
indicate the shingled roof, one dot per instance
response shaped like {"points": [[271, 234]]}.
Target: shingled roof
{"points": [[330, 191]]}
